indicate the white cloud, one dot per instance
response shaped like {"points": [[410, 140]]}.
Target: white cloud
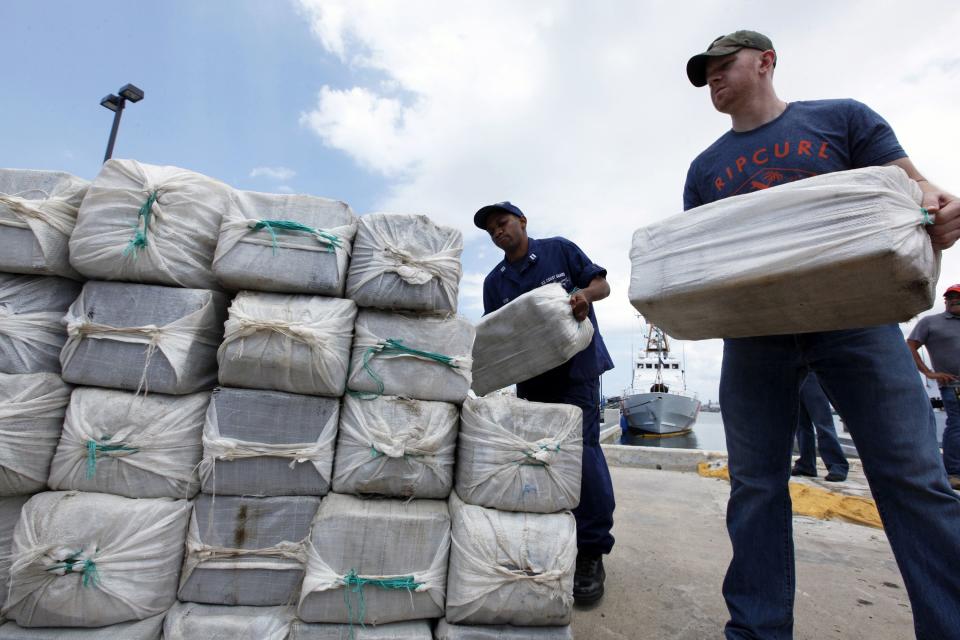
{"points": [[582, 114], [274, 173]]}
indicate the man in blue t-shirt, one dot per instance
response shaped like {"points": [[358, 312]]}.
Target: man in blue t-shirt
{"points": [[868, 374], [529, 263]]}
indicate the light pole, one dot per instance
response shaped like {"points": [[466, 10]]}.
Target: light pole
{"points": [[116, 103]]}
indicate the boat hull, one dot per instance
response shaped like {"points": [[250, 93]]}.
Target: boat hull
{"points": [[660, 412]]}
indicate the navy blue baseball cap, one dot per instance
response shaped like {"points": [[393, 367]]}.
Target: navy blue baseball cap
{"points": [[480, 217]]}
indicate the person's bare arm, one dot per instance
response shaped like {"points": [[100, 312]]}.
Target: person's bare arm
{"points": [[580, 301], [941, 377], [943, 206]]}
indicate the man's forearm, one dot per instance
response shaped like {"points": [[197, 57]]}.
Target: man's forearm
{"points": [[598, 289]]}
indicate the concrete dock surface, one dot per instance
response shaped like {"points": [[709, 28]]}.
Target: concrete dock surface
{"points": [[666, 569]]}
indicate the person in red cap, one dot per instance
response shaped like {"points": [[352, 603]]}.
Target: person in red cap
{"points": [[868, 374], [940, 334]]}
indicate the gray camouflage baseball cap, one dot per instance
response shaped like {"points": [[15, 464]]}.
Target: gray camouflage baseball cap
{"points": [[724, 46]]}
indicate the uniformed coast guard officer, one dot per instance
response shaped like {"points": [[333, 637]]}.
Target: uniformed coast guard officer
{"points": [[529, 263]]}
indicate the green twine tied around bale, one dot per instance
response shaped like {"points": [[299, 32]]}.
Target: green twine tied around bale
{"points": [[332, 241], [532, 460], [139, 238], [927, 218], [88, 568], [94, 447], [392, 345], [354, 583]]}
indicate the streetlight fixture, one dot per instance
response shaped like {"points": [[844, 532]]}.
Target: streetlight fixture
{"points": [[116, 103]]}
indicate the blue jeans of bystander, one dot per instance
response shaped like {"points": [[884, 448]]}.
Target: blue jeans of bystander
{"points": [[951, 435], [870, 378]]}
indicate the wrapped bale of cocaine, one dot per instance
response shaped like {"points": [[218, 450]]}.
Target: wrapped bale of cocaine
{"points": [[146, 629], [10, 507], [32, 407], [396, 447], [405, 261], [447, 631], [245, 550], [517, 455], [837, 251], [31, 328], [147, 338], [285, 243], [422, 357], [410, 630], [150, 224], [38, 210], [532, 334], [192, 621], [93, 559], [294, 343], [358, 574], [268, 443], [129, 445], [510, 567]]}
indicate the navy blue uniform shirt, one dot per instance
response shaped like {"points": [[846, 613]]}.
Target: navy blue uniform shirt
{"points": [[551, 260]]}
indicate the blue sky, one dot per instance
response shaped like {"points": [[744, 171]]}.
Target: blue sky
{"points": [[578, 112]]}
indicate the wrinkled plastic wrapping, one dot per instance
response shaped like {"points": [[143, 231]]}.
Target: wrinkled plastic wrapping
{"points": [[396, 447], [517, 455], [38, 210], [268, 443], [252, 255], [413, 630], [294, 343], [246, 551], [526, 337], [378, 368], [32, 407], [31, 332], [134, 446], [510, 568], [356, 541], [148, 629], [150, 224], [145, 338], [92, 559], [837, 251], [9, 516], [405, 261], [447, 631], [192, 621]]}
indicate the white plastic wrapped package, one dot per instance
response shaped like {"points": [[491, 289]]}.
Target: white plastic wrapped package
{"points": [[376, 561], [510, 568], [517, 455], [147, 629], [530, 335], [146, 338], [31, 332], [192, 621], [268, 443], [93, 559], [422, 357], [32, 407], [447, 631], [405, 261], [396, 447], [38, 210], [9, 516], [294, 343], [246, 551], [285, 243], [151, 224], [837, 251], [411, 630], [129, 445]]}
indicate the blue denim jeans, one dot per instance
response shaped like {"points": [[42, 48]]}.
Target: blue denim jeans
{"points": [[815, 414], [870, 377], [951, 434]]}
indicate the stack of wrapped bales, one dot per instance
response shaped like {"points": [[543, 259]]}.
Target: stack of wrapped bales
{"points": [[514, 538]]}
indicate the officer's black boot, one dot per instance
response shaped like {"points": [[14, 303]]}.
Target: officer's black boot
{"points": [[588, 579]]}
